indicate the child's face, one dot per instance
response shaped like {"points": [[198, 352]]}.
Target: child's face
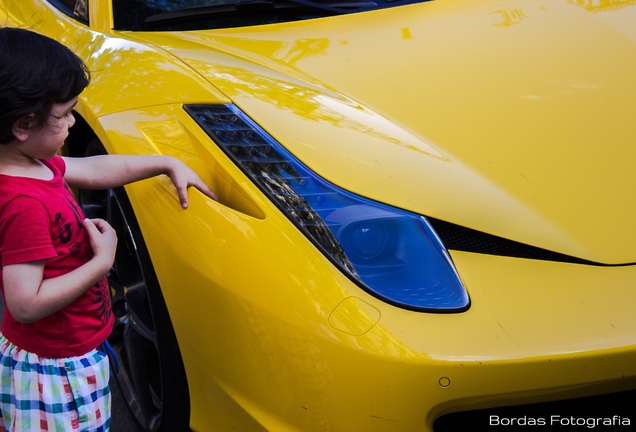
{"points": [[45, 142]]}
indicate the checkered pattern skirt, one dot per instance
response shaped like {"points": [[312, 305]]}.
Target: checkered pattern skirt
{"points": [[42, 394]]}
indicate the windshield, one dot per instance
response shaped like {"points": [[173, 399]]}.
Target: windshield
{"points": [[166, 15]]}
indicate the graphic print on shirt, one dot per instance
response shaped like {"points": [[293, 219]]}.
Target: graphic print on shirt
{"points": [[73, 207], [64, 232], [77, 246], [102, 300], [69, 234]]}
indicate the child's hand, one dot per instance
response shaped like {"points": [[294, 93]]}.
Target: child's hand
{"points": [[103, 241], [183, 177]]}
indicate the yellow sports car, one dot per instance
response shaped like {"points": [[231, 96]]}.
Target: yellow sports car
{"points": [[426, 207]]}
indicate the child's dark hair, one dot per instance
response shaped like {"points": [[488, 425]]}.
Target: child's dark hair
{"points": [[35, 73]]}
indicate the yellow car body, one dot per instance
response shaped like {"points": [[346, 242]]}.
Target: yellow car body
{"points": [[515, 120]]}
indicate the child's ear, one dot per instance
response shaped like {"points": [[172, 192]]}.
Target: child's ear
{"points": [[22, 127]]}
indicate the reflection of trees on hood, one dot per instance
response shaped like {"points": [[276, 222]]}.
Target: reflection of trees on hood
{"points": [[603, 5]]}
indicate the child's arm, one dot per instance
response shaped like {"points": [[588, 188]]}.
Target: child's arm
{"points": [[29, 297], [109, 171]]}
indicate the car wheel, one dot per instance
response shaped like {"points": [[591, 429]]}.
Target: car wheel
{"points": [[146, 361]]}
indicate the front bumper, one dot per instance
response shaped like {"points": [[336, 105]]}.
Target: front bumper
{"points": [[274, 337], [269, 344]]}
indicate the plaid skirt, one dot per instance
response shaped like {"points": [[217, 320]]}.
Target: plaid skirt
{"points": [[42, 394]]}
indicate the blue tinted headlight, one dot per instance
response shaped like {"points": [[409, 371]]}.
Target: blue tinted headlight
{"points": [[391, 253]]}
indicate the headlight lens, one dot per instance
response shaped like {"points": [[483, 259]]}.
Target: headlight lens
{"points": [[391, 253]]}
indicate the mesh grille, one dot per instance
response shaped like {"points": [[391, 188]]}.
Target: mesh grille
{"points": [[456, 237]]}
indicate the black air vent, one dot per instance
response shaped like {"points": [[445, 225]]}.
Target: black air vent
{"points": [[456, 237]]}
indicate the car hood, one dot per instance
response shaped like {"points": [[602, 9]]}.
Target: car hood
{"points": [[514, 120]]}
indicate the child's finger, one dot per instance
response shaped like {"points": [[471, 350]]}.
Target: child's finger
{"points": [[182, 192], [101, 225], [90, 226], [98, 226], [206, 190], [93, 232]]}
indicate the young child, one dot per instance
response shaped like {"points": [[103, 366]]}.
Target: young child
{"points": [[54, 261]]}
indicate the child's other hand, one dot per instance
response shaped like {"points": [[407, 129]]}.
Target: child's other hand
{"points": [[103, 241], [183, 177]]}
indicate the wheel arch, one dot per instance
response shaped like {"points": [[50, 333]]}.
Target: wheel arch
{"points": [[79, 136], [78, 143]]}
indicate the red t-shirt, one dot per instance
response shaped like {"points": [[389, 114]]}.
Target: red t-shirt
{"points": [[40, 220]]}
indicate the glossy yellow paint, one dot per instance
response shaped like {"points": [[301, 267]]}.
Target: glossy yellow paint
{"points": [[273, 336], [273, 311], [526, 103], [100, 15]]}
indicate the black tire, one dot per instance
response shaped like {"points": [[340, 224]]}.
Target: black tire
{"points": [[150, 371]]}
